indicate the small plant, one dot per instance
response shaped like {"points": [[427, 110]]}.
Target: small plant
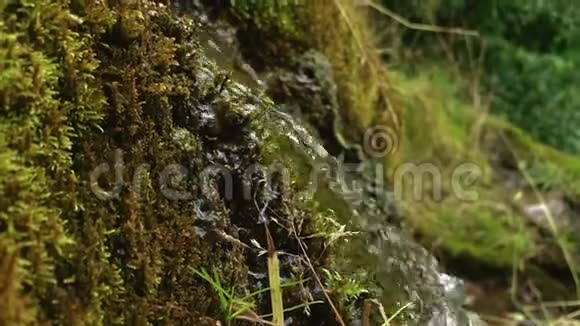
{"points": [[349, 290], [242, 308], [345, 290], [545, 175], [386, 320], [230, 306], [329, 228]]}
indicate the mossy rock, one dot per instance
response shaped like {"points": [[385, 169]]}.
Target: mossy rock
{"points": [[274, 35], [443, 129], [100, 104]]}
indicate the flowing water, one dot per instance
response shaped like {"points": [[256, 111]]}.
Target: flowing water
{"points": [[398, 271]]}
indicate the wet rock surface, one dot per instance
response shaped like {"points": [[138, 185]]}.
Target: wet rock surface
{"points": [[395, 268], [307, 90]]}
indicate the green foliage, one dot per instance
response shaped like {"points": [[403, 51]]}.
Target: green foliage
{"points": [[278, 15], [489, 229], [537, 26], [485, 234], [536, 92], [532, 56], [230, 306], [233, 307], [545, 175], [345, 290]]}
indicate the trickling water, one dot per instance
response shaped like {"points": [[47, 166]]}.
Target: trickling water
{"points": [[398, 270]]}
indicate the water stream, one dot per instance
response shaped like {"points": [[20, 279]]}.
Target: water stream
{"points": [[398, 270]]}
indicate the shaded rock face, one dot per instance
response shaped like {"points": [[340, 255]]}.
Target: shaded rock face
{"points": [[396, 269], [307, 89]]}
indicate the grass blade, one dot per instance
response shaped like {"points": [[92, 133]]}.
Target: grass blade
{"points": [[274, 280], [302, 305], [284, 285], [224, 297]]}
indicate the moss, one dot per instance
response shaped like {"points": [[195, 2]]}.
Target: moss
{"points": [[492, 230], [48, 99], [491, 236], [280, 16], [340, 32], [17, 308], [538, 159]]}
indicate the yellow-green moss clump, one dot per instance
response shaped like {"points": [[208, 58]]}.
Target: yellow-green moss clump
{"points": [[491, 229], [97, 100], [49, 98], [342, 32]]}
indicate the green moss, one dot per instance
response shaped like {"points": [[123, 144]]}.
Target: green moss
{"points": [[17, 308], [431, 99], [340, 31], [269, 14], [493, 229], [345, 291], [48, 98], [53, 100], [490, 236], [541, 161]]}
